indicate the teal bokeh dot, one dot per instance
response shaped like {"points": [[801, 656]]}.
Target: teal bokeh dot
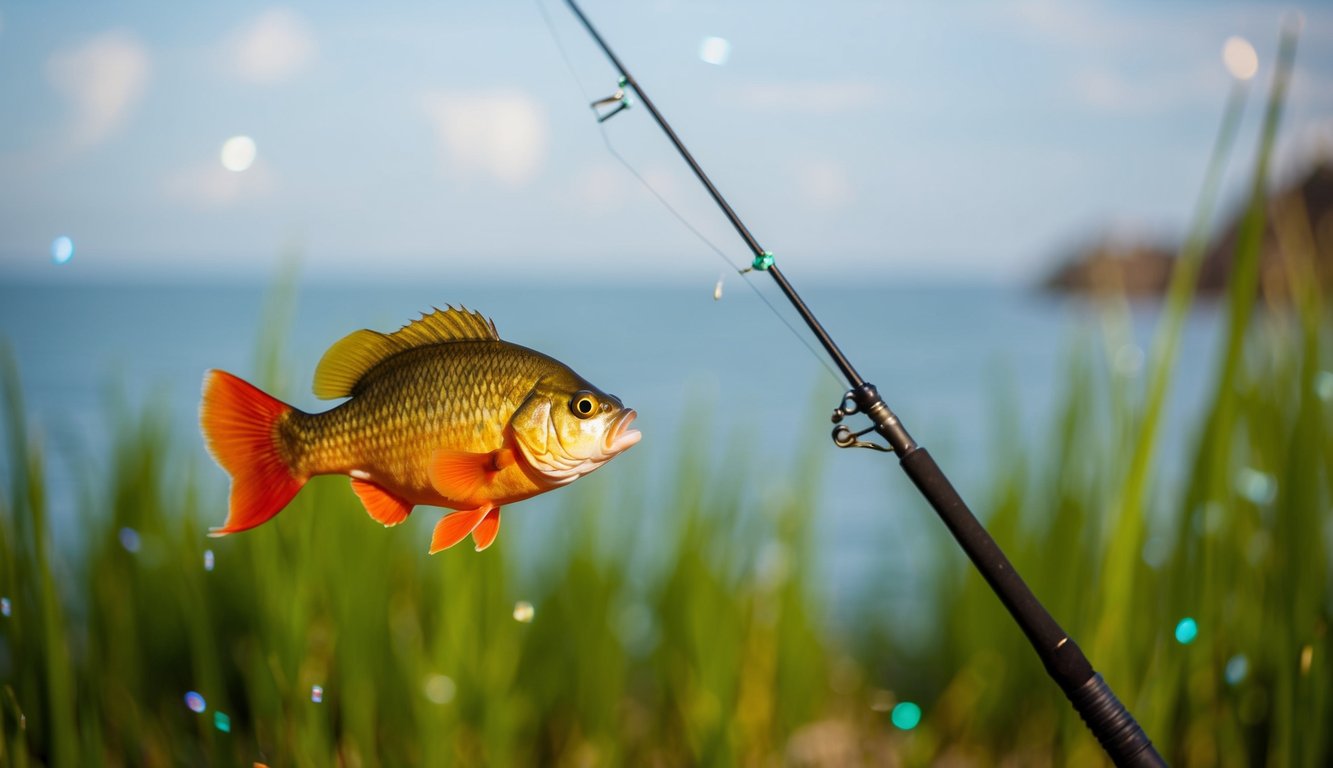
{"points": [[1186, 631], [906, 715]]}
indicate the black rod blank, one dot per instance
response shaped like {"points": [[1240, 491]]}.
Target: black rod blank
{"points": [[1108, 719]]}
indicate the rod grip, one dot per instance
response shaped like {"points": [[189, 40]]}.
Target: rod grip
{"points": [[1113, 725]]}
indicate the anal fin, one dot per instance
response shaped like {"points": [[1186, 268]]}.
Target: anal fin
{"points": [[386, 508], [455, 527]]}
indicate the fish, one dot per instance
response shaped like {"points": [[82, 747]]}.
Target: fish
{"points": [[439, 413]]}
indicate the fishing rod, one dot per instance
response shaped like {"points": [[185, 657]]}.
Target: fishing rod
{"points": [[1109, 720]]}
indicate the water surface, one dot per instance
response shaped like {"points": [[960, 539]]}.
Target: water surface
{"points": [[700, 372]]}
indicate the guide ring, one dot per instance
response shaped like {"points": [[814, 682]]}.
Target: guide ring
{"points": [[843, 436]]}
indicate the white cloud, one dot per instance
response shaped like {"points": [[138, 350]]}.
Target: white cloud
{"points": [[499, 133], [103, 79], [1311, 90], [666, 180], [1102, 26], [275, 47], [209, 185], [811, 97], [1081, 25], [825, 184], [599, 186], [1106, 90]]}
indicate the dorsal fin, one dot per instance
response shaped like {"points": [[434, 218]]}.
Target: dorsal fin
{"points": [[348, 360]]}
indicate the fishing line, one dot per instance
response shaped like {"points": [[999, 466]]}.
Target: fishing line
{"points": [[742, 272], [610, 147]]}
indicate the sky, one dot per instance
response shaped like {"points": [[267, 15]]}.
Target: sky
{"points": [[858, 140]]}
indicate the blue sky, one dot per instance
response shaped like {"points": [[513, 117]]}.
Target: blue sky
{"points": [[965, 140]]}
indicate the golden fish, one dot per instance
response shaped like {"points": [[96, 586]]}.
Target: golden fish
{"points": [[441, 412]]}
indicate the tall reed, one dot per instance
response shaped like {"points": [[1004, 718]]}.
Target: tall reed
{"points": [[323, 639]]}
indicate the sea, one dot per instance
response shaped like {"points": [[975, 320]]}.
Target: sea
{"points": [[975, 372]]}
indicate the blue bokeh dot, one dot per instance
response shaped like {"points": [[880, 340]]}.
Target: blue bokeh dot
{"points": [[195, 702], [62, 249]]}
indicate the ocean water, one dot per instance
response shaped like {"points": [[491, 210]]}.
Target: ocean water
{"points": [[725, 374]]}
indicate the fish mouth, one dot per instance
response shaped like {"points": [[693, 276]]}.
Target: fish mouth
{"points": [[621, 436]]}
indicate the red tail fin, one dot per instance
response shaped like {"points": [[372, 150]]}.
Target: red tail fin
{"points": [[240, 427]]}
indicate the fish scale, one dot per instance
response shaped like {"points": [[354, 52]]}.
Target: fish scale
{"points": [[414, 403], [441, 412]]}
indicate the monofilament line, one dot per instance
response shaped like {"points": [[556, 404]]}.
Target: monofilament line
{"points": [[610, 147]]}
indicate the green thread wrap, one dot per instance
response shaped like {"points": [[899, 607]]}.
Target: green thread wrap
{"points": [[763, 261]]}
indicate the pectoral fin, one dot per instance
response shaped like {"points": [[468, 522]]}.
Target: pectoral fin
{"points": [[460, 475], [385, 507], [455, 527]]}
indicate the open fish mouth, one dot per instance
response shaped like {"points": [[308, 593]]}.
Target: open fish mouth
{"points": [[621, 436]]}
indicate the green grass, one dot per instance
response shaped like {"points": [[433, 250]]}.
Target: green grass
{"points": [[420, 658], [708, 644]]}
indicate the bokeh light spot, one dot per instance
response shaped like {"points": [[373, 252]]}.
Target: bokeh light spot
{"points": [[1239, 56], [5, 607], [317, 693], [1129, 360], [1237, 668], [129, 539], [637, 629], [439, 689], [222, 722], [1323, 385], [1156, 551], [524, 612], [1258, 487], [882, 700], [906, 715], [238, 153], [195, 702], [1187, 630], [62, 249], [715, 50], [208, 560]]}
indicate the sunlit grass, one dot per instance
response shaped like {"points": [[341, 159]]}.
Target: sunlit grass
{"points": [[416, 659], [1205, 605], [322, 639]]}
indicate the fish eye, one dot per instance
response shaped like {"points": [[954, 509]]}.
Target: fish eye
{"points": [[583, 405]]}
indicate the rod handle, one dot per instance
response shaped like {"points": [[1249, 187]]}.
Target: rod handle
{"points": [[1113, 725]]}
